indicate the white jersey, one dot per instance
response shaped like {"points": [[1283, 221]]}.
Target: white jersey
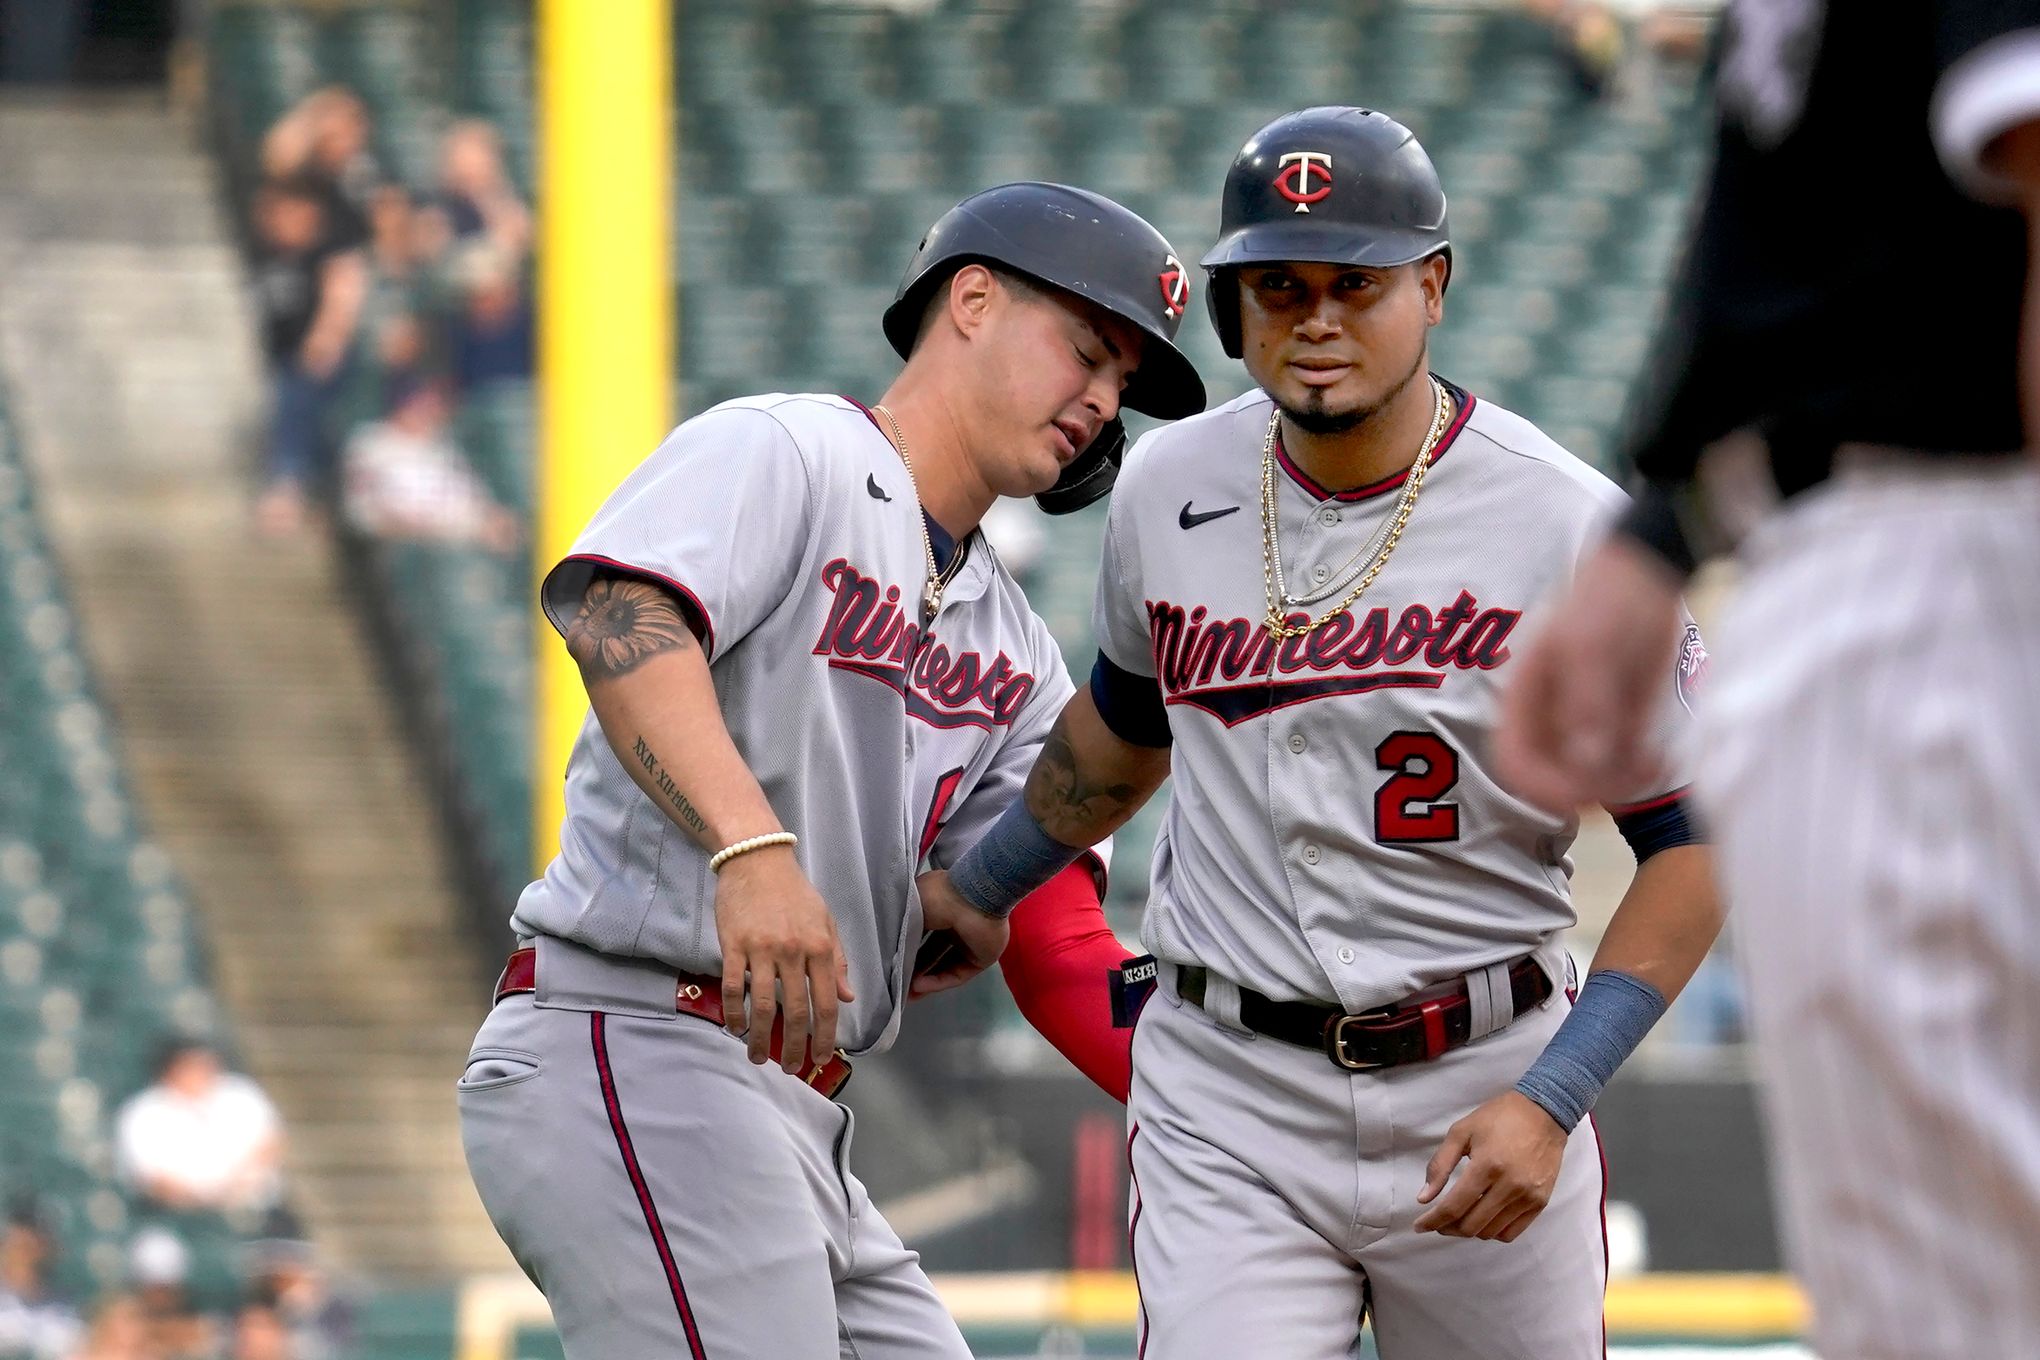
{"points": [[1336, 831], [790, 526]]}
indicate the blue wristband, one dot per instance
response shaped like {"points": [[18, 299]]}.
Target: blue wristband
{"points": [[1015, 857], [1613, 1013]]}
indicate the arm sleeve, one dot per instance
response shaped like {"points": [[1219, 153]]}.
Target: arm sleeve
{"points": [[1673, 740], [1131, 705], [1057, 965], [1988, 55], [720, 514]]}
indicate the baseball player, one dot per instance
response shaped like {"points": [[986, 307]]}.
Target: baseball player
{"points": [[1361, 1085], [808, 677], [1873, 747]]}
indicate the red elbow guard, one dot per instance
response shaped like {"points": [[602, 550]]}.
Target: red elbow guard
{"points": [[1058, 965]]}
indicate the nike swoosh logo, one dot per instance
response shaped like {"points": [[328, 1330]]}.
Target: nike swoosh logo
{"points": [[877, 491], [1190, 521]]}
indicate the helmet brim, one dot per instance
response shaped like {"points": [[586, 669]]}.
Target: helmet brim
{"points": [[1329, 243]]}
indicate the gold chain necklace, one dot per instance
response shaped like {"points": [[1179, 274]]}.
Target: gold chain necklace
{"points": [[1278, 624], [937, 581]]}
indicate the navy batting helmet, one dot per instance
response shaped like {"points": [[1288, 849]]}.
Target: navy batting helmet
{"points": [[1332, 185], [1082, 243]]}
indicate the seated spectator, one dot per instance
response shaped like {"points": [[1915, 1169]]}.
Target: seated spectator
{"points": [[310, 295], [405, 479], [286, 1277], [490, 336], [119, 1330], [201, 1138], [260, 1334], [33, 1322], [158, 1265], [476, 200]]}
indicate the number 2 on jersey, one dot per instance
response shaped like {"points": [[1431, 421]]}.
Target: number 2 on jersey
{"points": [[1406, 808]]}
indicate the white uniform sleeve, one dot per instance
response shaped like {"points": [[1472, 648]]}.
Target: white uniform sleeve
{"points": [[1119, 614], [720, 513], [1672, 734]]}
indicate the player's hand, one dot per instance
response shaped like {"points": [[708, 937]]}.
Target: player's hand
{"points": [[1512, 1150], [777, 933], [961, 941], [1578, 705]]}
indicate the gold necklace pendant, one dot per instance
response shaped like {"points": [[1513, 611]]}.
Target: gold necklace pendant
{"points": [[1277, 595], [934, 581]]}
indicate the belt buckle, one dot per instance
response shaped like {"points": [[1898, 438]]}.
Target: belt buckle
{"points": [[1335, 1043]]}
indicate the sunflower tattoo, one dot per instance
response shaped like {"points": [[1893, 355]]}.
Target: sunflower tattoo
{"points": [[622, 624]]}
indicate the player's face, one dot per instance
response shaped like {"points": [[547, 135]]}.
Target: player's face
{"points": [[1056, 368], [1331, 343]]}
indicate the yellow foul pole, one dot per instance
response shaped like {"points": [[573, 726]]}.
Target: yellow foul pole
{"points": [[605, 297]]}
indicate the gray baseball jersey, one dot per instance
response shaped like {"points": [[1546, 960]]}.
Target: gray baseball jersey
{"points": [[1335, 833], [1336, 830], [790, 526]]}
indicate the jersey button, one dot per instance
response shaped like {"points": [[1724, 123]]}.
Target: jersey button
{"points": [[1311, 854], [1345, 953], [1319, 573], [1328, 516], [1297, 743]]}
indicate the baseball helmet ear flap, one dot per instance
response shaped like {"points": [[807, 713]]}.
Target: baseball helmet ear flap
{"points": [[1090, 474], [1222, 296]]}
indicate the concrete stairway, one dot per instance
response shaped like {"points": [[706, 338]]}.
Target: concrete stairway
{"points": [[265, 750]]}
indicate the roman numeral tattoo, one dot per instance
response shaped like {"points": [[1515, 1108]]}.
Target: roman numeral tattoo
{"points": [[663, 782]]}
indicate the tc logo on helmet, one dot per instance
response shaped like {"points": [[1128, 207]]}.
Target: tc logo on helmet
{"points": [[1306, 177], [1175, 286]]}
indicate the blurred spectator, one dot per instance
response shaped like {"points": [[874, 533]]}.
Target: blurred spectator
{"points": [[287, 1277], [310, 293], [1595, 37], [119, 1330], [396, 252], [33, 1322], [260, 1334], [406, 479], [491, 333], [324, 141], [201, 1138], [476, 200], [158, 1265], [1590, 39]]}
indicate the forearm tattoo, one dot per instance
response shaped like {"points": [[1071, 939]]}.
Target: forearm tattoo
{"points": [[1068, 808], [663, 782], [623, 623]]}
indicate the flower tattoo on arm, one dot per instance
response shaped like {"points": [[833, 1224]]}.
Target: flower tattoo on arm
{"points": [[622, 623]]}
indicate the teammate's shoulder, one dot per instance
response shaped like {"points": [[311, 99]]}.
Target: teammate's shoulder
{"points": [[1216, 430], [817, 426], [1528, 451], [797, 413]]}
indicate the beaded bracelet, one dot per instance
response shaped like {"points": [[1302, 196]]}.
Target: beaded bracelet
{"points": [[743, 847]]}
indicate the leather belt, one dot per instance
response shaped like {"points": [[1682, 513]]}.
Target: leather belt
{"points": [[694, 994], [1409, 1031]]}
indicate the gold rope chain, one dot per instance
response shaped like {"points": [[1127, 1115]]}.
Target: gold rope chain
{"points": [[937, 581], [1271, 548]]}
